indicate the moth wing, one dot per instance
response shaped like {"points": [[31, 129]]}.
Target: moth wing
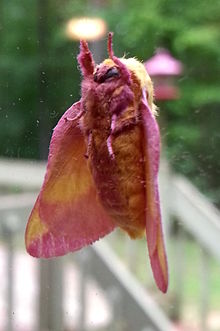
{"points": [[67, 214], [154, 230]]}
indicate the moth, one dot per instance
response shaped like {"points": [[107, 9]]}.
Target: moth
{"points": [[103, 163]]}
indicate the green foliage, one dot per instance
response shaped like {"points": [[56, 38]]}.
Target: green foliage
{"points": [[39, 78]]}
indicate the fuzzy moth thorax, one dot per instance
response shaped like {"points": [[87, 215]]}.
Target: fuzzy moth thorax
{"points": [[108, 80], [138, 69]]}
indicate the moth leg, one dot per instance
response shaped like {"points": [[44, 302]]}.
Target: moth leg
{"points": [[109, 140], [117, 129], [129, 123], [89, 144]]}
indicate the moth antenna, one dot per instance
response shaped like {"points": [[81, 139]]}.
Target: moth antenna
{"points": [[110, 49], [124, 70], [85, 59]]}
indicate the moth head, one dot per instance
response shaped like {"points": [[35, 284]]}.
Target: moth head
{"points": [[135, 67], [129, 67], [111, 69], [106, 72], [115, 70]]}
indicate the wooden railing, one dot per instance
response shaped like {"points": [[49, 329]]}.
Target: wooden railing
{"points": [[192, 226], [198, 223], [132, 307], [189, 219]]}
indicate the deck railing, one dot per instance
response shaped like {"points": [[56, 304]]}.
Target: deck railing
{"points": [[189, 219], [131, 306], [192, 231]]}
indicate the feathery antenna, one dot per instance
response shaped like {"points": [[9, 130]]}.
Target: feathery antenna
{"points": [[85, 59], [110, 50]]}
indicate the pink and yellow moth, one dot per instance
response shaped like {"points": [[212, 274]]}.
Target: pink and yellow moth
{"points": [[103, 163]]}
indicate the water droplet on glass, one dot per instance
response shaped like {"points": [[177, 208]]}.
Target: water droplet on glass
{"points": [[53, 114]]}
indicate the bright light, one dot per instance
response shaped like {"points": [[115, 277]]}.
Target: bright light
{"points": [[86, 28]]}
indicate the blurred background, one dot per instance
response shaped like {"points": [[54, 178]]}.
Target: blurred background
{"points": [[39, 80]]}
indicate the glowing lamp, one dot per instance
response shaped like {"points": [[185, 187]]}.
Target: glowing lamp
{"points": [[86, 28]]}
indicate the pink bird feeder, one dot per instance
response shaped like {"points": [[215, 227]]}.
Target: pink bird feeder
{"points": [[164, 69]]}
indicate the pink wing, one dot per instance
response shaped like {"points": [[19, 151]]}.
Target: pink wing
{"points": [[154, 231], [67, 214]]}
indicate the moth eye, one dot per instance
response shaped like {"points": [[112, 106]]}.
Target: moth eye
{"points": [[111, 72], [96, 77]]}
